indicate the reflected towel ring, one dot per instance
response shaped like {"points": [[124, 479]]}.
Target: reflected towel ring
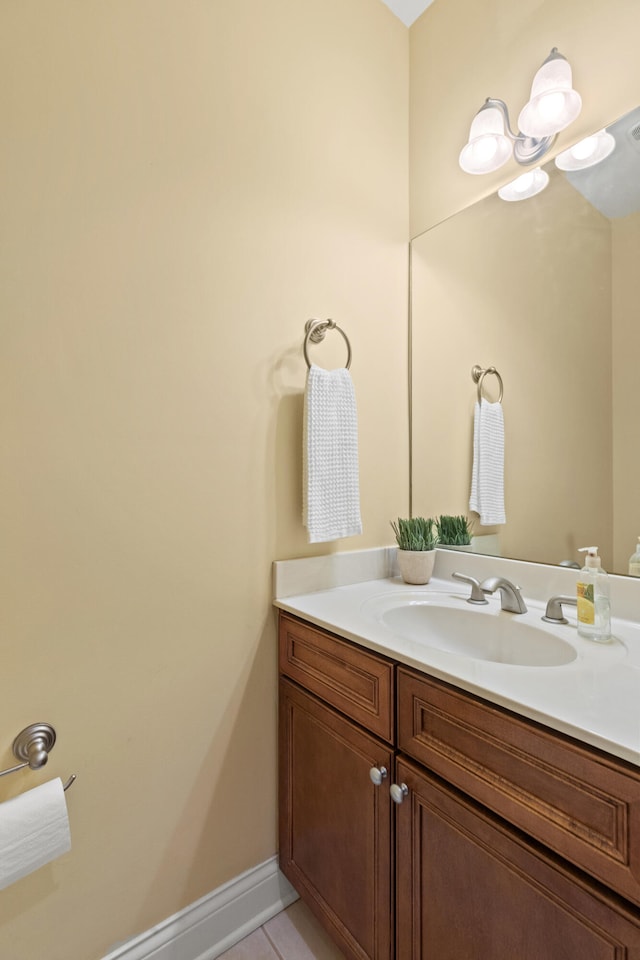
{"points": [[478, 374], [316, 330]]}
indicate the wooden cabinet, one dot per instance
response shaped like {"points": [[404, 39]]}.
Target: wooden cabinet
{"points": [[511, 842]]}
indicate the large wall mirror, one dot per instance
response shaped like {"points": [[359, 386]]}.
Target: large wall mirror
{"points": [[547, 290]]}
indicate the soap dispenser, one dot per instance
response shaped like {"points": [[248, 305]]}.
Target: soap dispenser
{"points": [[634, 562], [594, 608]]}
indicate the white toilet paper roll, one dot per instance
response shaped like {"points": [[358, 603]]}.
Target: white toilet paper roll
{"points": [[34, 829]]}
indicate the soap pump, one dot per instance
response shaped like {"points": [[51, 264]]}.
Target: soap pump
{"points": [[634, 562], [594, 608]]}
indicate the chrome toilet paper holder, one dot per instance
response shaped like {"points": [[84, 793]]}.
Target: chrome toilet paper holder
{"points": [[32, 746]]}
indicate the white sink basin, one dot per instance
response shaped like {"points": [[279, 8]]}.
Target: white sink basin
{"points": [[482, 633]]}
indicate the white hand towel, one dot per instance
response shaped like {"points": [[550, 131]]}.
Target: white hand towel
{"points": [[331, 486], [487, 477]]}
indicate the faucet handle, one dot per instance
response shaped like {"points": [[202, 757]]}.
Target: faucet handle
{"points": [[477, 594], [553, 613]]}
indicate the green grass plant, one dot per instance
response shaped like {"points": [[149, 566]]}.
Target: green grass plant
{"points": [[453, 531], [415, 533]]}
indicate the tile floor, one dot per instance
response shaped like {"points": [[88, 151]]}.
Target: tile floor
{"points": [[294, 934]]}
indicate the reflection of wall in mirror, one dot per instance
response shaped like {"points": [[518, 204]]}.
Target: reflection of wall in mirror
{"points": [[626, 389], [472, 51], [509, 285]]}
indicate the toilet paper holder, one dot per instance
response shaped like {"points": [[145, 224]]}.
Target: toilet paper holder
{"points": [[32, 746]]}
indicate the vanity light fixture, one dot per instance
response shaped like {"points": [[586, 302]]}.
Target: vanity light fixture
{"points": [[587, 152], [553, 105], [526, 185]]}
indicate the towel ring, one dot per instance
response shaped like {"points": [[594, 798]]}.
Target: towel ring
{"points": [[478, 375], [315, 331]]}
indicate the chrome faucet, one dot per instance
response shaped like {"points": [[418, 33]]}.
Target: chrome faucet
{"points": [[510, 596]]}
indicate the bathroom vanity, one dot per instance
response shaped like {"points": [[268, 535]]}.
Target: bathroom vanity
{"points": [[422, 821]]}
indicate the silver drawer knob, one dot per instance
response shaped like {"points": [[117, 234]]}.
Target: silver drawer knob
{"points": [[398, 792], [377, 775]]}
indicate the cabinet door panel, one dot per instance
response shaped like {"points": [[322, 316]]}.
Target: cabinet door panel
{"points": [[335, 825], [469, 888]]}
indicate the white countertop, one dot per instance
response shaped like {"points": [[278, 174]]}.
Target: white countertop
{"points": [[594, 698]]}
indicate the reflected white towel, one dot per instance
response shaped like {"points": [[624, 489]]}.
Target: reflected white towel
{"points": [[331, 485], [487, 477]]}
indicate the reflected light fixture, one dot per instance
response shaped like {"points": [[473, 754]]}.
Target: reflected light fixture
{"points": [[587, 152], [525, 186], [553, 105]]}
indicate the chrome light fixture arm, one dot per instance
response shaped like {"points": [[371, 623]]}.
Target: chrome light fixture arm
{"points": [[526, 150]]}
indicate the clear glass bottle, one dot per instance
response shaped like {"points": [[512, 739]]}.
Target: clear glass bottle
{"points": [[634, 562], [594, 605]]}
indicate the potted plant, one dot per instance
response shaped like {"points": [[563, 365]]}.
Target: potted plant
{"points": [[453, 531], [416, 548]]}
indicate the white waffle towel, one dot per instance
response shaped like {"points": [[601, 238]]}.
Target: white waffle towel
{"points": [[487, 477], [331, 486]]}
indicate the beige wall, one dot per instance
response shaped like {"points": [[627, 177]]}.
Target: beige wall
{"points": [[183, 185], [525, 287], [626, 380], [463, 51]]}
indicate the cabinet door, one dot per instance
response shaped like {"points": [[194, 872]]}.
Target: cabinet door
{"points": [[335, 824], [470, 888]]}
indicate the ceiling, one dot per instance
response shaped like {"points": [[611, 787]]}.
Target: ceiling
{"points": [[408, 10]]}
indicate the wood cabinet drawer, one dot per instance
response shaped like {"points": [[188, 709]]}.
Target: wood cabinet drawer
{"points": [[358, 683], [578, 801]]}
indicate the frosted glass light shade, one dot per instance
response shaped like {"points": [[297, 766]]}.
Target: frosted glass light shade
{"points": [[587, 152], [525, 186], [553, 104], [488, 147]]}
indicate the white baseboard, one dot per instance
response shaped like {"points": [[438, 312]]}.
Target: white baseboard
{"points": [[205, 929]]}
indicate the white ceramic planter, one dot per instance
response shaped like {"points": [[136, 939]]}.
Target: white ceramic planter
{"points": [[416, 566]]}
